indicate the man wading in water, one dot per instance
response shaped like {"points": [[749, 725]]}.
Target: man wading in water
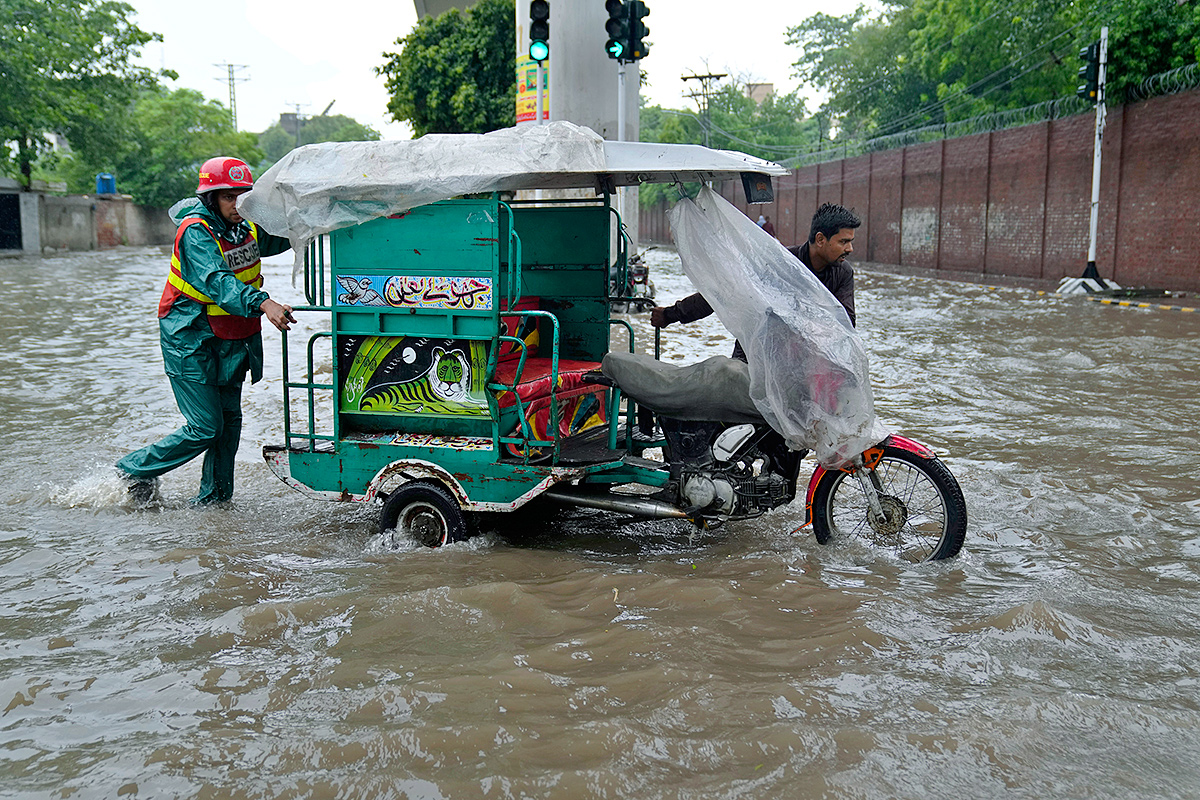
{"points": [[210, 323], [830, 241]]}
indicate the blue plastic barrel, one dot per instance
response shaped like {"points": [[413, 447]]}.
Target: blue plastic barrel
{"points": [[106, 184]]}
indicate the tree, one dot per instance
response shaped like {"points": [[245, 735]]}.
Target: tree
{"points": [[66, 67], [1148, 37], [775, 129], [167, 136], [864, 64], [456, 72], [923, 62], [275, 142]]}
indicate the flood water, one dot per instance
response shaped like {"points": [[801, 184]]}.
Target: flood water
{"points": [[278, 648]]}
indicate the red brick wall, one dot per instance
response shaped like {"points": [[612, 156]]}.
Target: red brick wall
{"points": [[921, 190], [962, 235], [1156, 234], [1017, 202], [883, 215]]}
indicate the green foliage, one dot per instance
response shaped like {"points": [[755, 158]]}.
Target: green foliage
{"points": [[66, 67], [275, 142], [1147, 37], [456, 72], [165, 137], [775, 129], [863, 63], [923, 62]]}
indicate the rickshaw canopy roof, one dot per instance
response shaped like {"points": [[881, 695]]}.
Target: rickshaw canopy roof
{"points": [[322, 187]]}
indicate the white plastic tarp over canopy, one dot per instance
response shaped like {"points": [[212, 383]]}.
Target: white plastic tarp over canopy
{"points": [[320, 188], [809, 373]]}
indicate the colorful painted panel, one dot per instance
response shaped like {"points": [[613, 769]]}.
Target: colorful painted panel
{"points": [[579, 410], [523, 327], [412, 375], [460, 443], [416, 291]]}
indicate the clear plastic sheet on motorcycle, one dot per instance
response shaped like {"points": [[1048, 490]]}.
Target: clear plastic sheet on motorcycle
{"points": [[809, 373]]}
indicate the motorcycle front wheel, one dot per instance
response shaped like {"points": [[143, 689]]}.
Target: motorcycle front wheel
{"points": [[924, 513]]}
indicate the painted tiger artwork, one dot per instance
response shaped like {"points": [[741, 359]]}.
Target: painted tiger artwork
{"points": [[411, 375]]}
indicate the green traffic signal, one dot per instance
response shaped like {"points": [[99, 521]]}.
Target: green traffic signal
{"points": [[617, 28], [539, 30]]}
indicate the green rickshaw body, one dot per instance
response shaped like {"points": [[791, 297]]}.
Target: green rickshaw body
{"points": [[426, 351], [465, 327]]}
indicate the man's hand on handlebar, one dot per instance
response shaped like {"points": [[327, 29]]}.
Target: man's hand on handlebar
{"points": [[278, 314], [658, 317]]}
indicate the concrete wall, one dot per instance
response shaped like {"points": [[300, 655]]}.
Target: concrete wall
{"points": [[87, 222], [1017, 202]]}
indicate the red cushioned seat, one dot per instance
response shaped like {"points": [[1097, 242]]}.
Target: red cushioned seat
{"points": [[535, 378]]}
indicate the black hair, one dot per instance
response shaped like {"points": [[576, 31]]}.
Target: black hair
{"points": [[831, 218], [209, 200]]}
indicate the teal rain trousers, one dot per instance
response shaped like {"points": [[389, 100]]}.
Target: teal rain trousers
{"points": [[213, 427]]}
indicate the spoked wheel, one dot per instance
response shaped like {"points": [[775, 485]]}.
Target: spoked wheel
{"points": [[924, 513], [426, 512]]}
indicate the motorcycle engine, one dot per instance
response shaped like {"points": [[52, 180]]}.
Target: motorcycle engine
{"points": [[725, 474]]}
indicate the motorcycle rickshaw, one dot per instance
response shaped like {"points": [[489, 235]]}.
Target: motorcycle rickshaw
{"points": [[467, 284]]}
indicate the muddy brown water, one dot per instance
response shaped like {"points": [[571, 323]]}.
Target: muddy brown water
{"points": [[279, 648]]}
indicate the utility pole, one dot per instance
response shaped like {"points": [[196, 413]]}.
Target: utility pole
{"points": [[703, 96], [1091, 271], [1094, 74], [232, 70]]}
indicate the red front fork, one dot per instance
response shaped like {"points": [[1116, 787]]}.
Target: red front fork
{"points": [[871, 457]]}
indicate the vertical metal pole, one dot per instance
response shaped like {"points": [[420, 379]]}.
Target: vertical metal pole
{"points": [[1091, 271], [540, 80], [621, 133], [620, 101], [232, 101]]}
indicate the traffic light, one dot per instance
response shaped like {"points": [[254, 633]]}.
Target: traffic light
{"points": [[617, 28], [1089, 73], [539, 30], [638, 30]]}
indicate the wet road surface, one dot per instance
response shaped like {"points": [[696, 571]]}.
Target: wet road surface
{"points": [[279, 648]]}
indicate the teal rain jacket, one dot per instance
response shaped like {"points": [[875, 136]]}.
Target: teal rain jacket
{"points": [[191, 351]]}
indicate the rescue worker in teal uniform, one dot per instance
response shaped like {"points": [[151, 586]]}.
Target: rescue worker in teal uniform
{"points": [[210, 322]]}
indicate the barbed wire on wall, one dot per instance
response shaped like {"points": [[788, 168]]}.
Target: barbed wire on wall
{"points": [[1171, 82]]}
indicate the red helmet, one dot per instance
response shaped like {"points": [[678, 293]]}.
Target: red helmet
{"points": [[224, 172]]}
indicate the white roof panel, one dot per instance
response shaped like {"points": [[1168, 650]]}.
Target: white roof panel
{"points": [[322, 187]]}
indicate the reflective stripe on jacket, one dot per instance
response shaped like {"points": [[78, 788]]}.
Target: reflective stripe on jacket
{"points": [[244, 261]]}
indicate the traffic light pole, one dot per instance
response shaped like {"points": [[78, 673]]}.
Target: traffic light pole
{"points": [[541, 79], [621, 101], [1091, 271]]}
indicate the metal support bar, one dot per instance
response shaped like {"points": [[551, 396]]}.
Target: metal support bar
{"points": [[540, 74]]}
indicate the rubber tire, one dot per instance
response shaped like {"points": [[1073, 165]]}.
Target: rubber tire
{"points": [[932, 470], [427, 512]]}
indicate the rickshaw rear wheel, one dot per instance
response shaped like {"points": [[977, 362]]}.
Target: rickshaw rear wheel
{"points": [[426, 512]]}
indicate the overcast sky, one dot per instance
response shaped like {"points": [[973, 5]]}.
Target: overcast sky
{"points": [[299, 55]]}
